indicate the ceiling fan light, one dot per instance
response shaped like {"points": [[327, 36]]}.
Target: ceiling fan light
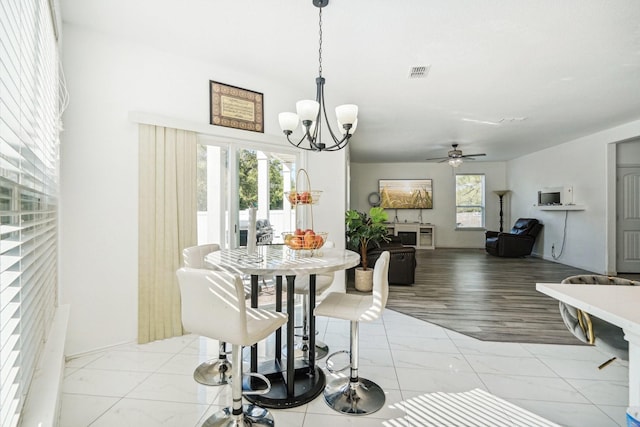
{"points": [[455, 162], [288, 121], [307, 109]]}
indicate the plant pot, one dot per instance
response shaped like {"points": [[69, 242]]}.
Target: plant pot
{"points": [[364, 279]]}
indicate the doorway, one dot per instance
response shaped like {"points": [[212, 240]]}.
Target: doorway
{"points": [[628, 219]]}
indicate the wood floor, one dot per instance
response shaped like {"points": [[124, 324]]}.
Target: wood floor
{"points": [[486, 297]]}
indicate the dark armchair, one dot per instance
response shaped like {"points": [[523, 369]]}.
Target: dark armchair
{"points": [[517, 243], [402, 262]]}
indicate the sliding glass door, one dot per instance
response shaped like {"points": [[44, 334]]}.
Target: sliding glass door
{"points": [[231, 179]]}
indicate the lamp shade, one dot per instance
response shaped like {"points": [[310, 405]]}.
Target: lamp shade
{"points": [[307, 109], [288, 121], [347, 113], [351, 131]]}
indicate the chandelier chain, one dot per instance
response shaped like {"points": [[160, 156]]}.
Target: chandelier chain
{"points": [[320, 45]]}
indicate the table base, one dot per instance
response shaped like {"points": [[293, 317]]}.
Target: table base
{"points": [[306, 387]]}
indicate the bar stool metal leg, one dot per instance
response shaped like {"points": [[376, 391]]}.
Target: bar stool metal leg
{"points": [[239, 415], [355, 396], [214, 373]]}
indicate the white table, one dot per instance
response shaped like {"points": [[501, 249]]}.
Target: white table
{"points": [[619, 305], [298, 382]]}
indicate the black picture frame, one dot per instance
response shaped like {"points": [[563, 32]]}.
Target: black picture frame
{"points": [[235, 107]]}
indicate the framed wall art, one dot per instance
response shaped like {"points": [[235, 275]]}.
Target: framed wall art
{"points": [[234, 107], [406, 193]]}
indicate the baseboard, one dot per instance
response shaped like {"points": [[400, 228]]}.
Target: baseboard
{"points": [[42, 404]]}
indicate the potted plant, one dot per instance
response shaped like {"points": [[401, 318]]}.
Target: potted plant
{"points": [[364, 230]]}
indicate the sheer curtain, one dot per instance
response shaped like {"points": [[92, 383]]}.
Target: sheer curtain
{"points": [[167, 224]]}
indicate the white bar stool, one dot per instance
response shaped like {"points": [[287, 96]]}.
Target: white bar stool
{"points": [[212, 372], [355, 395], [213, 305]]}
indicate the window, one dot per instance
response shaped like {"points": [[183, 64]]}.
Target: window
{"points": [[29, 105], [470, 201]]}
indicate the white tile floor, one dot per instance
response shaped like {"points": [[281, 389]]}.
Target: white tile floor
{"points": [[152, 385]]}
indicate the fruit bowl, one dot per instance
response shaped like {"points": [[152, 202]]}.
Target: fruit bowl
{"points": [[304, 239], [303, 197]]}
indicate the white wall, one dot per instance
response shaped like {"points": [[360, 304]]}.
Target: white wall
{"points": [[364, 180], [588, 164], [107, 79]]}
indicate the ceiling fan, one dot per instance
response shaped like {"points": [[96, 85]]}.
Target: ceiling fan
{"points": [[455, 157]]}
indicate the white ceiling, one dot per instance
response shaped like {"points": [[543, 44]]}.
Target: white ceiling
{"points": [[507, 77]]}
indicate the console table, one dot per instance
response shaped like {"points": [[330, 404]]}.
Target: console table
{"points": [[424, 235]]}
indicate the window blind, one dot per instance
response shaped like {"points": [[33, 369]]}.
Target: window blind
{"points": [[29, 118]]}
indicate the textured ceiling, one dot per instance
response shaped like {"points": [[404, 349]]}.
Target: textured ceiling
{"points": [[507, 77]]}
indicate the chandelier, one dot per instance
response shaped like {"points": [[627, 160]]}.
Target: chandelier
{"points": [[311, 113]]}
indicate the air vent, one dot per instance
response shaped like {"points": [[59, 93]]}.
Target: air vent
{"points": [[513, 119], [419, 72]]}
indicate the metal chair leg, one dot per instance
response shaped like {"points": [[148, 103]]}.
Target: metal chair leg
{"points": [[355, 395], [239, 415]]}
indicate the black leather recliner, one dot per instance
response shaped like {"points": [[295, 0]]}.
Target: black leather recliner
{"points": [[402, 263], [517, 243]]}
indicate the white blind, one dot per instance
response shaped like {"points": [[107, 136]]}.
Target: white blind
{"points": [[29, 117]]}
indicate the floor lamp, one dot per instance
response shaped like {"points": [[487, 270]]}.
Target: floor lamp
{"points": [[501, 194]]}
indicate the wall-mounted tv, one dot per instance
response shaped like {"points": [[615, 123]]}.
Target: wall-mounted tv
{"points": [[406, 193]]}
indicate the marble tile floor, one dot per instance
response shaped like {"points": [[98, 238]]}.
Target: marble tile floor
{"points": [[152, 385]]}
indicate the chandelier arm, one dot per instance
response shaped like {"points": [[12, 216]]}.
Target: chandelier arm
{"points": [[336, 141], [297, 145]]}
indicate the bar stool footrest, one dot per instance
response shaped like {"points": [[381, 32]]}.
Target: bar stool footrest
{"points": [[247, 389], [329, 362]]}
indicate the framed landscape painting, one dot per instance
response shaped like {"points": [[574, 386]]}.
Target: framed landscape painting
{"points": [[406, 193]]}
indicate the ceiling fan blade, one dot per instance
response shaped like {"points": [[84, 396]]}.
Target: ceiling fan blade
{"points": [[437, 158], [474, 155]]}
